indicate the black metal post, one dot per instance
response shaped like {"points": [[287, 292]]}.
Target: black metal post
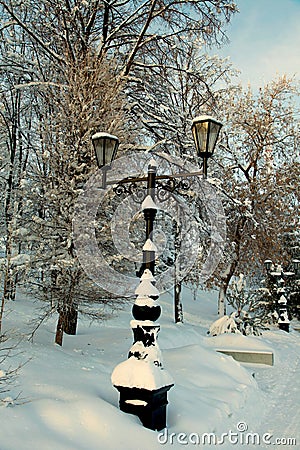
{"points": [[149, 215], [151, 180], [104, 170], [205, 167]]}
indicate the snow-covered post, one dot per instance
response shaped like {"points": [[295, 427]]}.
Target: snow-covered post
{"points": [[276, 282], [149, 209], [283, 320], [295, 291], [296, 267], [142, 381]]}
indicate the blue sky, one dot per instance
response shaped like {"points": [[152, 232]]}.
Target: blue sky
{"points": [[265, 40]]}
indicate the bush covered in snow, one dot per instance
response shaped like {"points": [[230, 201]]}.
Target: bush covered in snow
{"points": [[225, 324], [250, 315]]}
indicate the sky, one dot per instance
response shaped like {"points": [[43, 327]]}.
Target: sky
{"points": [[264, 40]]}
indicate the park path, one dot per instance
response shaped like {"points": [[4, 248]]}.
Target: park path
{"points": [[281, 384]]}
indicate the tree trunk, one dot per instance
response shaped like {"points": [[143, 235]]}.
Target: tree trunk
{"points": [[223, 289], [67, 323], [7, 272], [221, 300], [70, 324], [60, 329], [6, 286], [1, 312], [10, 287], [178, 311], [225, 279], [224, 286]]}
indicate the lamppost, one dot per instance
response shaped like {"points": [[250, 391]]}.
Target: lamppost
{"points": [[141, 380], [296, 266], [205, 131], [106, 147], [276, 280], [294, 286]]}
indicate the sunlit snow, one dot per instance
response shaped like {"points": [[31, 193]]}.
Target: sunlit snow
{"points": [[67, 401]]}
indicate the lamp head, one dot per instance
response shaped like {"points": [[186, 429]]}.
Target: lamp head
{"points": [[205, 131], [105, 146]]}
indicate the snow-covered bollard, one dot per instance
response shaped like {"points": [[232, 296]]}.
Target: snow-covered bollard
{"points": [[142, 381], [283, 320]]}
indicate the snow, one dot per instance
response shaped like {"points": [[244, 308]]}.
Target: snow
{"points": [[289, 274], [233, 341], [67, 401], [140, 374], [147, 275], [104, 135], [153, 163], [140, 323], [146, 288], [20, 259], [241, 283], [145, 301], [148, 203], [136, 402], [205, 118], [282, 300], [283, 318], [224, 324], [150, 246]]}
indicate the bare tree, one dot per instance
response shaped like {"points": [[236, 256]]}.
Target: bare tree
{"points": [[78, 58], [15, 118], [63, 163], [260, 157]]}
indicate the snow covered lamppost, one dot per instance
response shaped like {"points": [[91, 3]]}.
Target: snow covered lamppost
{"points": [[106, 147], [276, 282], [295, 294], [205, 131], [142, 381], [268, 265], [149, 209], [296, 266]]}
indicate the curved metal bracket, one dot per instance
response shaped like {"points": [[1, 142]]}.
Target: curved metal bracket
{"points": [[164, 188]]}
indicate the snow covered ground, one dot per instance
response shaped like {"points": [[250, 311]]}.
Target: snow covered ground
{"points": [[70, 404]]}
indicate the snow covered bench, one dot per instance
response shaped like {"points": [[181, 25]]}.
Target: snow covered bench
{"points": [[250, 356], [248, 349]]}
